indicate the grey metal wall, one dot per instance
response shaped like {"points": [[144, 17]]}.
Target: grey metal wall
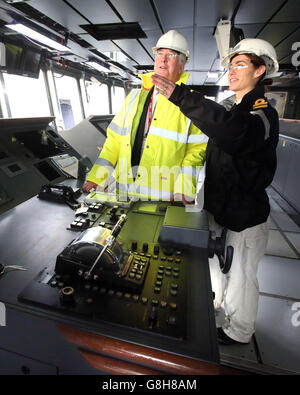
{"points": [[287, 177]]}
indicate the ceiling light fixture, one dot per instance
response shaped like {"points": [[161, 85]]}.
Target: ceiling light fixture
{"points": [[212, 74], [98, 66], [18, 27]]}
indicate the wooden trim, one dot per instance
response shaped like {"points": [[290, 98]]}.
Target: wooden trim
{"points": [[161, 361], [115, 366]]}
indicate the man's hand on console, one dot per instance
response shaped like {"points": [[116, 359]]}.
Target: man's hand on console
{"points": [[88, 185], [186, 200]]}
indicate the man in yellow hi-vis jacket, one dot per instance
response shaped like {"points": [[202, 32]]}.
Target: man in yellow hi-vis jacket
{"points": [[152, 150]]}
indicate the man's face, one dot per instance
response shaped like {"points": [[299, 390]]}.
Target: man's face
{"points": [[167, 64]]}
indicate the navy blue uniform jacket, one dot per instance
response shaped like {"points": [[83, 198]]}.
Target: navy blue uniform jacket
{"points": [[240, 155]]}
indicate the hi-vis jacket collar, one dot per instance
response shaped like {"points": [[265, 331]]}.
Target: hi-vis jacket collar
{"points": [[147, 81]]}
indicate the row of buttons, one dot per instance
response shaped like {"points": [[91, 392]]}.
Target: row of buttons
{"points": [[137, 268], [167, 271], [95, 207], [110, 292], [136, 298], [170, 259], [162, 258], [155, 252], [82, 223], [156, 248]]}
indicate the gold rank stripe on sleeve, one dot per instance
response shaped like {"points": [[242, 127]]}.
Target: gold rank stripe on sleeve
{"points": [[260, 103]]}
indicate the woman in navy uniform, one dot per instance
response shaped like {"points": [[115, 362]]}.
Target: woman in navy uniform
{"points": [[240, 165]]}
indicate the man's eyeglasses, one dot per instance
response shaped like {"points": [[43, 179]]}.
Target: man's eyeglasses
{"points": [[238, 67], [168, 55]]}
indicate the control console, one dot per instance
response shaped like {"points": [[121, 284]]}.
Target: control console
{"points": [[130, 281]]}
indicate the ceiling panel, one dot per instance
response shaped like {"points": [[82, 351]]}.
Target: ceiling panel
{"points": [[285, 48], [150, 41], [137, 11], [59, 12], [250, 30], [276, 32], [66, 16], [205, 48], [97, 11], [175, 14], [257, 11], [133, 48], [289, 13], [209, 12], [104, 46]]}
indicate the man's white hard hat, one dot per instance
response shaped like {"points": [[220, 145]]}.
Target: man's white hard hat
{"points": [[258, 47], [173, 40]]}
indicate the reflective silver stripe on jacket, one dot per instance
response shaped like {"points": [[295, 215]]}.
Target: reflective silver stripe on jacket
{"points": [[154, 193], [143, 190], [168, 134], [188, 123], [265, 121], [134, 95], [189, 170], [198, 138], [122, 131], [104, 162]]}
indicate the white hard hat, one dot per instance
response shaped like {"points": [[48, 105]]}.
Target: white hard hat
{"points": [[258, 47], [173, 40]]}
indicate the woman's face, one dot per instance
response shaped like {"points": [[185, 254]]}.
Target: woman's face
{"points": [[243, 76]]}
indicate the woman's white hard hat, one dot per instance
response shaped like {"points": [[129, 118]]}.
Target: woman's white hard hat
{"points": [[173, 40], [258, 47]]}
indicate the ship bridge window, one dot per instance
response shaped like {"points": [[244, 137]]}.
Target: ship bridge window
{"points": [[117, 97], [27, 96], [69, 100], [96, 95]]}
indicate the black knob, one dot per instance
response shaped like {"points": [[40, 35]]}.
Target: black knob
{"points": [[156, 250], [168, 251], [172, 320], [153, 315], [134, 245], [145, 247]]}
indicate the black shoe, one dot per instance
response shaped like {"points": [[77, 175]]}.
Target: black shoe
{"points": [[224, 339]]}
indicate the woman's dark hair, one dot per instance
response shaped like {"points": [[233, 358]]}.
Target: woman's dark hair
{"points": [[256, 61]]}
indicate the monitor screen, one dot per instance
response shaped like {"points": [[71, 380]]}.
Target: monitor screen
{"points": [[13, 56], [31, 62], [22, 60]]}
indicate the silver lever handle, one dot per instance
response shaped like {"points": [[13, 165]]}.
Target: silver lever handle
{"points": [[108, 242]]}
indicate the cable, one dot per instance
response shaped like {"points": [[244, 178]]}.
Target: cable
{"points": [[235, 12]]}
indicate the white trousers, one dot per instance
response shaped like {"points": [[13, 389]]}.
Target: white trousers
{"points": [[238, 290]]}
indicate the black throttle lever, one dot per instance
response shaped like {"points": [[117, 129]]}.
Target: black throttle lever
{"points": [[216, 245]]}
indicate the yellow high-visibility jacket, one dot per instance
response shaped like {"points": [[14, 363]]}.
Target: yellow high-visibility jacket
{"points": [[173, 155]]}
